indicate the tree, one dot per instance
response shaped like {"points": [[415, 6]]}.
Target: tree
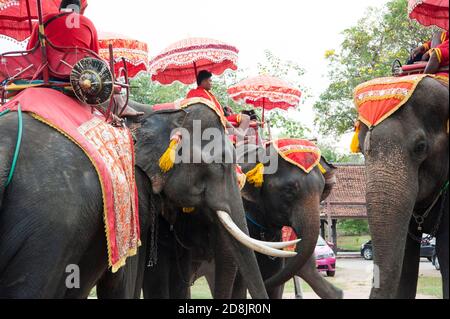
{"points": [[367, 52], [279, 119]]}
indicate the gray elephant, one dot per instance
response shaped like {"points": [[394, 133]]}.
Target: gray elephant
{"points": [[264, 205], [51, 213], [407, 163]]}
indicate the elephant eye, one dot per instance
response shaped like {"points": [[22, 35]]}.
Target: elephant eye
{"points": [[420, 148]]}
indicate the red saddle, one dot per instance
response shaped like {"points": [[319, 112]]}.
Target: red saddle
{"points": [[418, 68]]}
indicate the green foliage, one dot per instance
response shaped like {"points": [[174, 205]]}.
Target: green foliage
{"points": [[333, 156], [353, 227], [148, 92], [279, 119], [367, 52]]}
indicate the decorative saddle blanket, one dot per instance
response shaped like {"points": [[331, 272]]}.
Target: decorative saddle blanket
{"points": [[182, 104], [378, 99], [110, 151], [302, 153]]}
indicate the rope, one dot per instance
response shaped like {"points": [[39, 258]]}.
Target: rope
{"points": [[18, 143]]}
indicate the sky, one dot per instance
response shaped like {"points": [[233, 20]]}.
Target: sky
{"points": [[295, 30]]}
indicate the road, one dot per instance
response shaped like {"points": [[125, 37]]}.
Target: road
{"points": [[354, 276]]}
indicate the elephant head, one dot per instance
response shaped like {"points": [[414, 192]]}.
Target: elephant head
{"points": [[290, 197], [204, 178], [406, 166]]}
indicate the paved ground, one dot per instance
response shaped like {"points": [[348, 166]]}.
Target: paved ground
{"points": [[354, 276]]}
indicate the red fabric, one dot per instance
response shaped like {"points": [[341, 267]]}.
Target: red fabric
{"points": [[302, 153], [429, 12], [443, 53], [176, 62], [378, 99], [134, 52], [14, 16], [288, 234], [60, 35], [114, 162], [201, 92], [266, 91]]}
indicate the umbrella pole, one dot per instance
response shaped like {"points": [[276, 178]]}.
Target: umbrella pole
{"points": [[263, 113], [30, 22], [196, 71], [42, 42]]}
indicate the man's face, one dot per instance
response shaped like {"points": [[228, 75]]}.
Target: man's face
{"points": [[207, 84]]}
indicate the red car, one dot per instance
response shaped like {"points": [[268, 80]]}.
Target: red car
{"points": [[325, 258]]}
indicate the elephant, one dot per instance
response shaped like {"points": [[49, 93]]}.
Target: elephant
{"points": [[407, 164], [51, 213], [201, 253]]}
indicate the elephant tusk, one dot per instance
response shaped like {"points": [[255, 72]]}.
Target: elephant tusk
{"points": [[258, 246], [280, 245]]}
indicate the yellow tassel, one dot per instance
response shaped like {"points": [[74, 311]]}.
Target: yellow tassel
{"points": [[354, 146], [256, 176], [322, 169], [188, 210], [167, 160]]}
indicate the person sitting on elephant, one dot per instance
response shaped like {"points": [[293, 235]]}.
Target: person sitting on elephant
{"points": [[239, 121], [434, 51], [84, 35], [59, 32], [203, 90]]}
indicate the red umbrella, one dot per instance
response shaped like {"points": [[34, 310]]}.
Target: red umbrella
{"points": [[134, 52], [429, 12], [266, 92], [17, 16], [182, 60]]}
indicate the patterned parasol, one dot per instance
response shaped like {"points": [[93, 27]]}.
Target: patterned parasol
{"points": [[134, 52], [183, 60], [17, 16], [429, 12], [266, 92]]}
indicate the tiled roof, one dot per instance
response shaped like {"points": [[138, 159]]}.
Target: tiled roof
{"points": [[348, 197]]}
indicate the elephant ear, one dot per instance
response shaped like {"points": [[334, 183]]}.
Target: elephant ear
{"points": [[152, 141], [330, 177]]}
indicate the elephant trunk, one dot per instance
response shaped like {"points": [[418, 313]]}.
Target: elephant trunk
{"points": [[306, 224], [391, 191], [244, 256]]}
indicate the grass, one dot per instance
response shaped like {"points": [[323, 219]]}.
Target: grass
{"points": [[351, 243], [201, 289], [430, 286]]}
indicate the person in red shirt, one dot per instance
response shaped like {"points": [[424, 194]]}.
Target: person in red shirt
{"points": [[434, 51], [203, 90], [68, 28]]}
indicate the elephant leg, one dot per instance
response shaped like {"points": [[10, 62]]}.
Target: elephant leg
{"points": [[120, 285], [322, 287], [180, 273], [410, 271], [156, 283], [276, 292], [239, 288], [225, 270], [442, 252]]}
